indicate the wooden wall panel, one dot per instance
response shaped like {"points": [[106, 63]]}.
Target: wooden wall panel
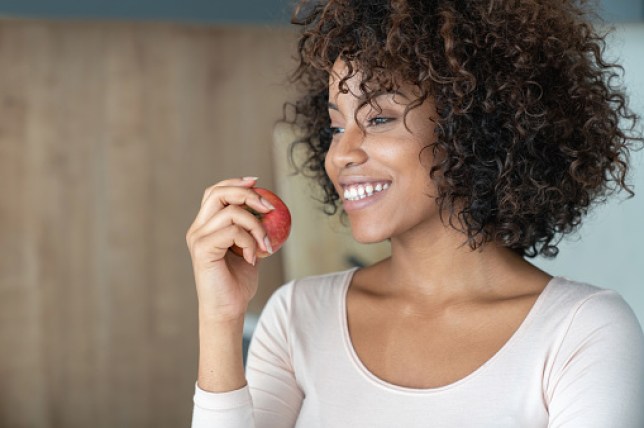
{"points": [[109, 133]]}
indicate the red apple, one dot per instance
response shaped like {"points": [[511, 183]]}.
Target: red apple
{"points": [[277, 222]]}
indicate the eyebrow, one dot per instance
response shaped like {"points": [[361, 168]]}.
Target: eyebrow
{"points": [[333, 106]]}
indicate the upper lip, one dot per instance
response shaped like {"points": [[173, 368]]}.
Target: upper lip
{"points": [[359, 179]]}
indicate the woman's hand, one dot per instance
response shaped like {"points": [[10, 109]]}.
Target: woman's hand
{"points": [[226, 282]]}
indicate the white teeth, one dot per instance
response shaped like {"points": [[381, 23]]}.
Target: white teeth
{"points": [[360, 191]]}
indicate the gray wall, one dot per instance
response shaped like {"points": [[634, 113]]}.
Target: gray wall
{"points": [[212, 11], [219, 11], [623, 10]]}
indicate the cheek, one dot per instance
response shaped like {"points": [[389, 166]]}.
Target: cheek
{"points": [[328, 164], [426, 158], [330, 172]]}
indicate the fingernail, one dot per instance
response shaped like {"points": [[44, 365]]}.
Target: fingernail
{"points": [[267, 243], [254, 260], [266, 203], [249, 178]]}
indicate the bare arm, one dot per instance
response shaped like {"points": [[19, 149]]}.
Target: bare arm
{"points": [[225, 282], [220, 355]]}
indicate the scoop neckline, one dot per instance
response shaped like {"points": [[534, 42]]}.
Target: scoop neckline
{"points": [[506, 348]]}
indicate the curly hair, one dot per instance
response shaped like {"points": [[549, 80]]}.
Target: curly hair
{"points": [[532, 130]]}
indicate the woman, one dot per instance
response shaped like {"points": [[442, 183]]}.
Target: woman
{"points": [[471, 135]]}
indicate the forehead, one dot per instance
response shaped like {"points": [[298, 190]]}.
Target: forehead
{"points": [[340, 70], [400, 91]]}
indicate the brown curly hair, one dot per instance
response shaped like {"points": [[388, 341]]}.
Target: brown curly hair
{"points": [[532, 129]]}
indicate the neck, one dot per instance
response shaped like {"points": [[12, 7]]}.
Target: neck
{"points": [[443, 268]]}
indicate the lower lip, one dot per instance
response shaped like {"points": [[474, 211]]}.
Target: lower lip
{"points": [[362, 203]]}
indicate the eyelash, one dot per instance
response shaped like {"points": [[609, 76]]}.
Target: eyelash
{"points": [[372, 122]]}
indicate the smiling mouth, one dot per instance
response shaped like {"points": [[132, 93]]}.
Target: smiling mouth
{"points": [[355, 192]]}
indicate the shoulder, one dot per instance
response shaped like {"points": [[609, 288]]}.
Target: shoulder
{"points": [[593, 322], [333, 279], [595, 364], [310, 293], [330, 283], [314, 287], [584, 303]]}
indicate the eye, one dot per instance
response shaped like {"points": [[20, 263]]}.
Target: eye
{"points": [[333, 130], [379, 121]]}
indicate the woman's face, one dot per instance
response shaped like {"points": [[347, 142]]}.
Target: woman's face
{"points": [[377, 170]]}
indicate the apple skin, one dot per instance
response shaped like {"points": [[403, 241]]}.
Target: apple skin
{"points": [[277, 222]]}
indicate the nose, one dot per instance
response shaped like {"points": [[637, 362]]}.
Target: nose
{"points": [[348, 148]]}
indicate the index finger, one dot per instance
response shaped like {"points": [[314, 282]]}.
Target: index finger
{"points": [[222, 196], [242, 182]]}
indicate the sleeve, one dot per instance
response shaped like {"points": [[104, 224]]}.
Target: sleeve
{"points": [[272, 397], [598, 376], [232, 409]]}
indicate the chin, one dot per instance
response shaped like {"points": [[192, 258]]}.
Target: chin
{"points": [[369, 236]]}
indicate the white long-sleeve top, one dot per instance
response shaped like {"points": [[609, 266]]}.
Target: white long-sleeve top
{"points": [[577, 360]]}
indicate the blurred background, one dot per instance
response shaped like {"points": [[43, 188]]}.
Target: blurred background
{"points": [[114, 118]]}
